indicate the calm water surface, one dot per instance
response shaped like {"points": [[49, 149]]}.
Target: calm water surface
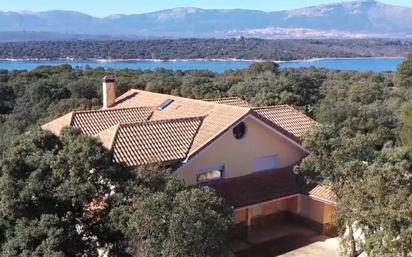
{"points": [[358, 64]]}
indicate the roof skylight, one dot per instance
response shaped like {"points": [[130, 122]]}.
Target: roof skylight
{"points": [[165, 104]]}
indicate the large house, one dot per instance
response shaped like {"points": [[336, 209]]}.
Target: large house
{"points": [[246, 154]]}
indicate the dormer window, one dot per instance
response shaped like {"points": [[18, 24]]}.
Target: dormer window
{"points": [[165, 104]]}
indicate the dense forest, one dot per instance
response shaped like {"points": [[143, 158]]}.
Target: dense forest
{"points": [[30, 98], [241, 48], [362, 148]]}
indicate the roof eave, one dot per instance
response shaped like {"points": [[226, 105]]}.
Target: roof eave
{"points": [[201, 148]]}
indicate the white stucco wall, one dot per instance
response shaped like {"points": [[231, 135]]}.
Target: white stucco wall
{"points": [[238, 156]]}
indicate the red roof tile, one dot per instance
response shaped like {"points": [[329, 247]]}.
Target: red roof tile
{"points": [[93, 122], [218, 117], [233, 101], [323, 193], [153, 141], [288, 118], [136, 106]]}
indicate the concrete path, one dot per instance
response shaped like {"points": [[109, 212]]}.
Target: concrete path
{"points": [[328, 247], [287, 240]]}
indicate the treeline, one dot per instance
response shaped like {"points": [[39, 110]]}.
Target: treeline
{"points": [[362, 149], [32, 98], [242, 48]]}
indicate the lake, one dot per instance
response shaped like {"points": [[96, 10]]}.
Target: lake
{"points": [[357, 64]]}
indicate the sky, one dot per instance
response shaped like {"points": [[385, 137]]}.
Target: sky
{"points": [[103, 8]]}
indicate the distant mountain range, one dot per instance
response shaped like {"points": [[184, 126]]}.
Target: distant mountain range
{"points": [[359, 19]]}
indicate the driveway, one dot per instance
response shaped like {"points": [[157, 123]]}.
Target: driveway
{"points": [[287, 240], [325, 247]]}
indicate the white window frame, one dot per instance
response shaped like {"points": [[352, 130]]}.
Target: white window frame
{"points": [[266, 159], [201, 171]]}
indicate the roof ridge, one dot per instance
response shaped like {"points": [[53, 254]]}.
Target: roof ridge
{"points": [[193, 139], [228, 97], [112, 109], [288, 106], [274, 106], [291, 107], [71, 115], [184, 98], [115, 133], [236, 101], [160, 121]]}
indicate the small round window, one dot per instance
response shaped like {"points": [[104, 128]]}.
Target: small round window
{"points": [[239, 131]]}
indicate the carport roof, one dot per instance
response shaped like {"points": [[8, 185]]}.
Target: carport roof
{"points": [[257, 187]]}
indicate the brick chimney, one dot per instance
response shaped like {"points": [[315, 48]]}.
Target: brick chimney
{"points": [[109, 91]]}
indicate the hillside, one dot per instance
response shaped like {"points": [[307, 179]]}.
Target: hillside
{"points": [[357, 19], [284, 49]]}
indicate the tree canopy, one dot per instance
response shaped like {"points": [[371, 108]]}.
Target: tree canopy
{"points": [[164, 218], [362, 150], [212, 48], [51, 191], [32, 98], [66, 197], [403, 76]]}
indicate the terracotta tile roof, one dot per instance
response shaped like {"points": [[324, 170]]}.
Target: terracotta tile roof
{"points": [[93, 122], [323, 192], [108, 136], [136, 106], [233, 101], [179, 108], [217, 121], [257, 187], [288, 118], [152, 142], [56, 126], [217, 117]]}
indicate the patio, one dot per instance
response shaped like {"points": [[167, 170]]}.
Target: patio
{"points": [[287, 240]]}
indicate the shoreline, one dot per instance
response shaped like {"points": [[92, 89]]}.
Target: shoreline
{"points": [[343, 58], [189, 60]]}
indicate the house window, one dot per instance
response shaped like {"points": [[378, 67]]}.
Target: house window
{"points": [[239, 131], [266, 163], [210, 173]]}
